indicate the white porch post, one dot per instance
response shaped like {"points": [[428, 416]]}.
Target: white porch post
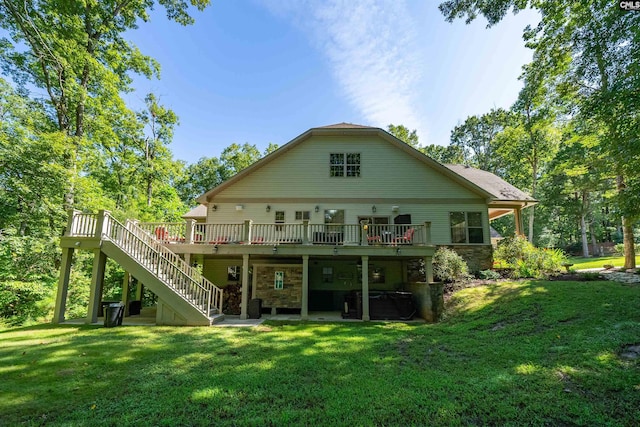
{"points": [[517, 214], [63, 285], [304, 312], [428, 269], [245, 287], [97, 280], [365, 288]]}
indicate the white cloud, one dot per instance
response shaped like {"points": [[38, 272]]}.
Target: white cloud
{"points": [[372, 51]]}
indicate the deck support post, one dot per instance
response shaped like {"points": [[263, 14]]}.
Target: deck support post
{"points": [[304, 312], [63, 285], [428, 269], [97, 281], [125, 292], [365, 288], [244, 304]]}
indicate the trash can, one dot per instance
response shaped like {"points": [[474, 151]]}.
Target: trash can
{"points": [[113, 314], [255, 308], [135, 307]]}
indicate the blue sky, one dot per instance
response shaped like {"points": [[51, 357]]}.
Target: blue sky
{"points": [[265, 71]]}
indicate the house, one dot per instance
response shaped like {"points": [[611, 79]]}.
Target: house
{"points": [[337, 217]]}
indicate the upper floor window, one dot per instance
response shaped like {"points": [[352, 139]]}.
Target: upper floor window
{"points": [[466, 227], [344, 164], [279, 219], [302, 215]]}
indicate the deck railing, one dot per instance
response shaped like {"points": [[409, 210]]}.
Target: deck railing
{"points": [[250, 233]]}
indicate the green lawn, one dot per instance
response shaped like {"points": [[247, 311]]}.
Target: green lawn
{"points": [[522, 353], [581, 262]]}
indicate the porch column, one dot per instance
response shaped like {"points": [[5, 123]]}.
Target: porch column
{"points": [[63, 285], [187, 258], [517, 214], [245, 287], [304, 312], [428, 269], [125, 292], [97, 281], [365, 288]]}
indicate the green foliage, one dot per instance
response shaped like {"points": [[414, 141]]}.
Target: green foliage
{"points": [[618, 249], [405, 135], [488, 275], [448, 266], [527, 260], [25, 301]]}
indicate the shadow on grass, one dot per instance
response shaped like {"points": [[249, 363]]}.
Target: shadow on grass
{"points": [[526, 352]]}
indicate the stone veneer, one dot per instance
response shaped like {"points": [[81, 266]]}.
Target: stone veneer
{"points": [[478, 257], [290, 296]]}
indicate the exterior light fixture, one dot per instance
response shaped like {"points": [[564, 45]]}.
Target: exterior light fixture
{"points": [[214, 208], [239, 207], [373, 209], [275, 249], [317, 208], [398, 251], [215, 249], [335, 250], [395, 208], [268, 208]]}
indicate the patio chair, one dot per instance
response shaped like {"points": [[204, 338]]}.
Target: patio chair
{"points": [[406, 238]]}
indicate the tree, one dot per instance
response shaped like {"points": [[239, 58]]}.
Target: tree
{"points": [[444, 154], [475, 138], [75, 51], [593, 50], [156, 163], [405, 135]]}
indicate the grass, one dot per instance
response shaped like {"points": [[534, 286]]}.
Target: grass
{"points": [[582, 263], [515, 353]]}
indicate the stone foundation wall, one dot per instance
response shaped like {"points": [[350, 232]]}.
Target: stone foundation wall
{"points": [[290, 296], [478, 257]]}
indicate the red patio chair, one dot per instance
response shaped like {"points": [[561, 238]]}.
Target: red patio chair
{"points": [[407, 238]]}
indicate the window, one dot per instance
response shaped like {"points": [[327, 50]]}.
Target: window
{"points": [[233, 273], [466, 227], [279, 220], [344, 164], [302, 215], [278, 282]]}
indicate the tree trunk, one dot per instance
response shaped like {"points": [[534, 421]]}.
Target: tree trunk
{"points": [[583, 226], [594, 242], [627, 233], [629, 248]]}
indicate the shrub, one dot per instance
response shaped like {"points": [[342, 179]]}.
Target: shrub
{"points": [[24, 301], [527, 260], [448, 266], [489, 275], [618, 249]]}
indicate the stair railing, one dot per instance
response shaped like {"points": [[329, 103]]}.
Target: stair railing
{"points": [[166, 265]]}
